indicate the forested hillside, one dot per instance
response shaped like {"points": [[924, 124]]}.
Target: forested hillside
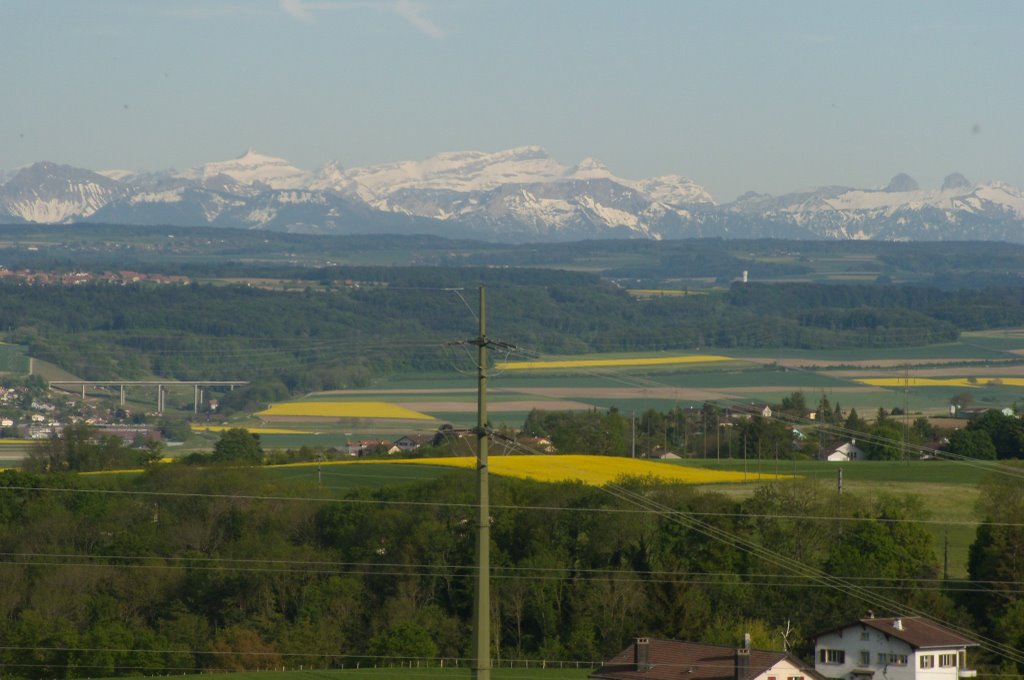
{"points": [[400, 318], [184, 569]]}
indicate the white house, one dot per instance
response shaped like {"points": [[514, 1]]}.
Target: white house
{"points": [[845, 452], [898, 648]]}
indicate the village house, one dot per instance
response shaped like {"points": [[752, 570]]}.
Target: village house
{"points": [[366, 446], [896, 648], [655, 659], [844, 452], [742, 411], [409, 443]]}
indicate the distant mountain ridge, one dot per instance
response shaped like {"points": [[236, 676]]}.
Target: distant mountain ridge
{"points": [[519, 194]]}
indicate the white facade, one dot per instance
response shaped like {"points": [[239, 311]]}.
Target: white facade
{"points": [[880, 649], [784, 670], [846, 452]]}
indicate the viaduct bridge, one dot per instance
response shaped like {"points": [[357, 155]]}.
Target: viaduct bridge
{"points": [[160, 385]]}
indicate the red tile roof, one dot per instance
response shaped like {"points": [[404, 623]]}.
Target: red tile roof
{"points": [[672, 659]]}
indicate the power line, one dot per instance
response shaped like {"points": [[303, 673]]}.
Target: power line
{"points": [[454, 570]]}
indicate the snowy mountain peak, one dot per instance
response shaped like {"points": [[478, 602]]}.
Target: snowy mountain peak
{"points": [[459, 171], [252, 168], [589, 168], [900, 183], [674, 190], [48, 192]]}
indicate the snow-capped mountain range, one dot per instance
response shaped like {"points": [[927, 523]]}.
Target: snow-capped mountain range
{"points": [[519, 194]]}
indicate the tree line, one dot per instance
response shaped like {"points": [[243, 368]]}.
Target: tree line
{"points": [[183, 569]]}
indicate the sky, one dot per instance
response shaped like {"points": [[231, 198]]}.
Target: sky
{"points": [[772, 96]]}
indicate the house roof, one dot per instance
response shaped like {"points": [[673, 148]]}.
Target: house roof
{"points": [[672, 659], [916, 631], [750, 408]]}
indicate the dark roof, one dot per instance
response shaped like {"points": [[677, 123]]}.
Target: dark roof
{"points": [[671, 659], [919, 632], [916, 631]]}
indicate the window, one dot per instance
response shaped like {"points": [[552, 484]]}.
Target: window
{"points": [[795, 677], [837, 656], [927, 660], [892, 659], [947, 660], [865, 658], [864, 635]]}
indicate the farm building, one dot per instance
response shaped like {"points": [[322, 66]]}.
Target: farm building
{"points": [[654, 659], [898, 648]]}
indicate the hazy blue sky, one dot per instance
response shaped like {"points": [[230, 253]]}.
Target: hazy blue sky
{"points": [[769, 96]]}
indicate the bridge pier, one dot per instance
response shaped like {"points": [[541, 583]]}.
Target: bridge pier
{"points": [[161, 388]]}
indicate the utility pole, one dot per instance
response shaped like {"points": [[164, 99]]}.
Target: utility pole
{"points": [[906, 407], [481, 647], [632, 428], [718, 435]]}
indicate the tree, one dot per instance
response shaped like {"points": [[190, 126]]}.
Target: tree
{"points": [[855, 423], [1006, 432], [972, 444], [238, 445], [996, 560], [922, 429], [78, 448], [794, 405], [884, 442], [893, 551], [405, 639], [824, 409]]}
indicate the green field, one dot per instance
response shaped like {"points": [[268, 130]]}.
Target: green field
{"points": [[340, 479], [13, 358], [948, 491]]}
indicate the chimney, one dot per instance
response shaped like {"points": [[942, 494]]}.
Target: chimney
{"points": [[641, 654], [898, 624], [743, 659]]}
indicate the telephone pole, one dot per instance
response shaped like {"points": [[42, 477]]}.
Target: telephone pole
{"points": [[481, 648]]}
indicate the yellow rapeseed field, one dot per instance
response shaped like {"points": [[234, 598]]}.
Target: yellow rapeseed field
{"points": [[942, 382], [343, 409], [593, 470], [254, 430], [611, 363]]}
